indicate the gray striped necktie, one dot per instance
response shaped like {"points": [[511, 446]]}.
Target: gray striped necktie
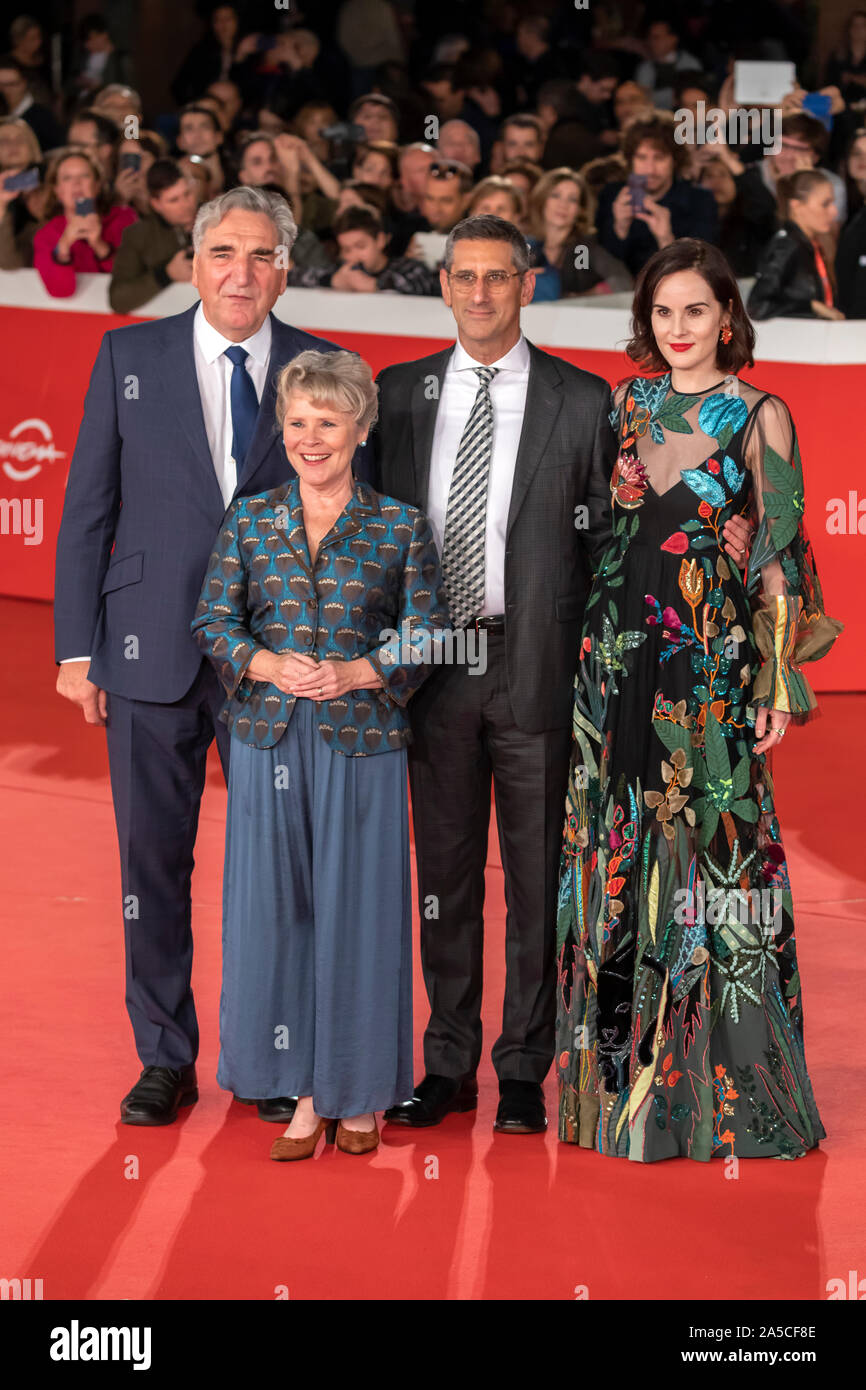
{"points": [[466, 515]]}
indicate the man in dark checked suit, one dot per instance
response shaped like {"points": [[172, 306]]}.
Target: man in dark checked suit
{"points": [[179, 419], [509, 451]]}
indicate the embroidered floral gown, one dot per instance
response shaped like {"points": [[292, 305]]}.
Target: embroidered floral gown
{"points": [[679, 1016]]}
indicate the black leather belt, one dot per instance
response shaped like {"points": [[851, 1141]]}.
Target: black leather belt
{"points": [[495, 623]]}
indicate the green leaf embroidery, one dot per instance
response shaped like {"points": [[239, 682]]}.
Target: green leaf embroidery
{"points": [[709, 826], [784, 477], [786, 501], [716, 748], [784, 529], [672, 735], [673, 421], [741, 776]]}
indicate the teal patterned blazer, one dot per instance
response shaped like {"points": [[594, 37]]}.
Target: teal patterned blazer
{"points": [[376, 570]]}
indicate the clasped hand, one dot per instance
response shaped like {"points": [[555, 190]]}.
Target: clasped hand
{"points": [[309, 679]]}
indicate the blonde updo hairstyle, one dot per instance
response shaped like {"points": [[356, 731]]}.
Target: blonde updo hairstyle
{"points": [[339, 379]]}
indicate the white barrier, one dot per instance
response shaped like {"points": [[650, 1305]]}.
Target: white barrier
{"points": [[593, 324]]}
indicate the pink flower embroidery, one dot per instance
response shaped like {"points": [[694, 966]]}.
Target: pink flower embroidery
{"points": [[628, 483]]}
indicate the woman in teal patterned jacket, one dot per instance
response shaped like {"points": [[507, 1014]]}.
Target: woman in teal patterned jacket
{"points": [[319, 611]]}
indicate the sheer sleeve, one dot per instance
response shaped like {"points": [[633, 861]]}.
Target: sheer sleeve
{"points": [[788, 617], [618, 396], [617, 399]]}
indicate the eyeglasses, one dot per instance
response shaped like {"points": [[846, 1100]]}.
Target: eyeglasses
{"points": [[494, 280], [445, 171]]}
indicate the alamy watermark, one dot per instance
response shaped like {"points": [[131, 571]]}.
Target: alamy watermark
{"points": [[715, 906], [751, 125], [439, 646], [22, 517], [77, 1343]]}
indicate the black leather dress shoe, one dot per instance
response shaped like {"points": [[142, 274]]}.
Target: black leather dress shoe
{"points": [[158, 1094], [521, 1108], [434, 1098], [279, 1109]]}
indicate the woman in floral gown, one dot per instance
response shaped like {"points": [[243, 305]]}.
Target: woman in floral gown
{"points": [[679, 1016]]}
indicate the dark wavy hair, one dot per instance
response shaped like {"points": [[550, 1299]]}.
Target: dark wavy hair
{"points": [[689, 253], [659, 130]]}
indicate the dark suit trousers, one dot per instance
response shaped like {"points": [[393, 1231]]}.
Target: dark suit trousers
{"points": [[157, 755], [465, 735]]}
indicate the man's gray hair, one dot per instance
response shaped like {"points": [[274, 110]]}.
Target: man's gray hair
{"points": [[248, 199], [488, 227]]}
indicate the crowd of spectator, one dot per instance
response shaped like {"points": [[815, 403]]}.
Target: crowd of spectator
{"points": [[383, 125]]}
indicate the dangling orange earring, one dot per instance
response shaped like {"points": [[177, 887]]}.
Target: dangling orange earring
{"points": [[726, 334]]}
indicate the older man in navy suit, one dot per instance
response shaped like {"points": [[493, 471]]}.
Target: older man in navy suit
{"points": [[179, 420]]}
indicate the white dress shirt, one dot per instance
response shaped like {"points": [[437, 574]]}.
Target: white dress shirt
{"points": [[508, 395], [214, 372]]}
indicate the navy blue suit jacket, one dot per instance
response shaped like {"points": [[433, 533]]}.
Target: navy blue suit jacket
{"points": [[143, 506]]}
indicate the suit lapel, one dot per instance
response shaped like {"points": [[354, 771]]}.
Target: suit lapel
{"points": [[543, 404], [424, 409], [176, 368]]}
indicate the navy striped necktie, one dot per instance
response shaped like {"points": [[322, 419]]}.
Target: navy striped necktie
{"points": [[244, 403]]}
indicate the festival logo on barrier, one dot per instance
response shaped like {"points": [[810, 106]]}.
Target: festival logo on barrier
{"points": [[31, 453]]}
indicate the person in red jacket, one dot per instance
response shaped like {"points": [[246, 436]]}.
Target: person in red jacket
{"points": [[76, 239]]}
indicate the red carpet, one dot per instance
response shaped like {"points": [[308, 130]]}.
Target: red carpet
{"points": [[196, 1210]]}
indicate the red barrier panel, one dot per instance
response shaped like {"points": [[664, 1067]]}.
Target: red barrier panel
{"points": [[48, 359]]}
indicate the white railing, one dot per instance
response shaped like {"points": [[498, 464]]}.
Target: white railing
{"points": [[596, 324]]}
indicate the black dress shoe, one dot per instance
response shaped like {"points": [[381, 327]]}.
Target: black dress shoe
{"points": [[279, 1109], [521, 1108], [434, 1098], [158, 1094]]}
